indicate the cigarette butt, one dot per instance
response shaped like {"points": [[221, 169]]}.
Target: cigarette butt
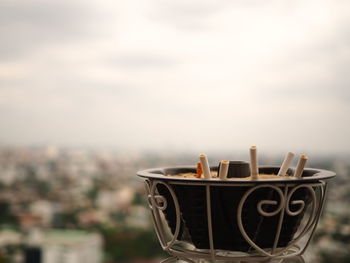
{"points": [[300, 166], [205, 166], [286, 163], [254, 170], [199, 170], [224, 164]]}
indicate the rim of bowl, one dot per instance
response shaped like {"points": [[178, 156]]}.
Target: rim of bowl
{"points": [[159, 173]]}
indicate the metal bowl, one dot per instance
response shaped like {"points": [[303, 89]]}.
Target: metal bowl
{"points": [[264, 217]]}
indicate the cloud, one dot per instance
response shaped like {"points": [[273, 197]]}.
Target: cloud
{"points": [[317, 72], [141, 61], [151, 73], [28, 26], [186, 15]]}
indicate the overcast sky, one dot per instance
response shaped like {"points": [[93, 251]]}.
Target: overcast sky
{"points": [[164, 74]]}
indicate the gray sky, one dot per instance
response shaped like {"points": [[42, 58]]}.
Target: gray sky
{"points": [[163, 74]]}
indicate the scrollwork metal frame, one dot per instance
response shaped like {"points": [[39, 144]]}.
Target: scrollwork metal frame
{"points": [[182, 250]]}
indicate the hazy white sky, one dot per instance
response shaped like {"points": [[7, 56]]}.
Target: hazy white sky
{"points": [[157, 74]]}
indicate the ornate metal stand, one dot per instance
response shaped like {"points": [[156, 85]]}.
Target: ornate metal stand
{"points": [[185, 251]]}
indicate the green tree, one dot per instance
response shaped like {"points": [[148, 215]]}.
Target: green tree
{"points": [[123, 245], [6, 215]]}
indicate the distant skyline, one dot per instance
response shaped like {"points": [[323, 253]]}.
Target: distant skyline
{"points": [[176, 75]]}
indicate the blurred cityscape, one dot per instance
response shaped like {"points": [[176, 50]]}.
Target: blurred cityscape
{"points": [[68, 205]]}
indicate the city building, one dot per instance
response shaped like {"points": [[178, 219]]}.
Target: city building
{"points": [[63, 246]]}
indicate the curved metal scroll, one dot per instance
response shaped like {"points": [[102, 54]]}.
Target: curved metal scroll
{"points": [[283, 207], [159, 203], [179, 249]]}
